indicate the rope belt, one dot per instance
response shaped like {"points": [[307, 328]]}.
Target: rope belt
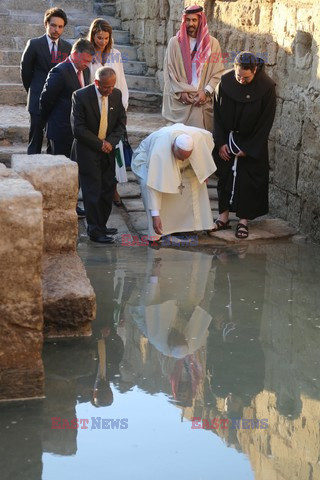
{"points": [[232, 147]]}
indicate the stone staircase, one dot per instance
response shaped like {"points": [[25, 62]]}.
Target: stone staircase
{"points": [[23, 19]]}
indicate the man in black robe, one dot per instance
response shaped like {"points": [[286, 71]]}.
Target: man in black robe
{"points": [[244, 109]]}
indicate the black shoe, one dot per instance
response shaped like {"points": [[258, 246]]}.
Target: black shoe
{"points": [[110, 231], [102, 239], [118, 203], [80, 212]]}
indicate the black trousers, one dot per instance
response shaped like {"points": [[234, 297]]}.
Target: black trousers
{"points": [[97, 188], [35, 134], [61, 147]]}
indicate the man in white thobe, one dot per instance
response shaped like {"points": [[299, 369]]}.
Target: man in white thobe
{"points": [[172, 166]]}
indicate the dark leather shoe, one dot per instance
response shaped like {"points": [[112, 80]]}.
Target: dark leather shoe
{"points": [[102, 239], [110, 231], [80, 212]]}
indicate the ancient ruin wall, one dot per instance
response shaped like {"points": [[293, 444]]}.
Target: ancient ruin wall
{"points": [[287, 34]]}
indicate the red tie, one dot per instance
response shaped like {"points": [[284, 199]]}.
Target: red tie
{"points": [[80, 78]]}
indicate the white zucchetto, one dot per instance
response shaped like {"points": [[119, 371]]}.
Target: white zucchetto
{"points": [[184, 142]]}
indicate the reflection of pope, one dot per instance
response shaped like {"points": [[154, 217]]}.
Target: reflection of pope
{"points": [[171, 311]]}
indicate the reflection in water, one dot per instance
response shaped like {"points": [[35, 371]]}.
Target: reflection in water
{"points": [[169, 310], [178, 335]]}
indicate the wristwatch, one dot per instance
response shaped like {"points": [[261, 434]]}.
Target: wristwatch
{"points": [[207, 93]]}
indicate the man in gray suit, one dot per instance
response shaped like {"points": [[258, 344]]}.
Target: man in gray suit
{"points": [[39, 56]]}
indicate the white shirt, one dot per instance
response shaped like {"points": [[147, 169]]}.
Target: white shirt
{"points": [[195, 78], [100, 99], [50, 42]]}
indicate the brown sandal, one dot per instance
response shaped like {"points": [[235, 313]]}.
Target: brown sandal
{"points": [[220, 225], [242, 231]]}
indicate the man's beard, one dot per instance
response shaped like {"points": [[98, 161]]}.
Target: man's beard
{"points": [[192, 31]]}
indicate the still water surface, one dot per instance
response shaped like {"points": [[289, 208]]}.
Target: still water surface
{"points": [[230, 338]]}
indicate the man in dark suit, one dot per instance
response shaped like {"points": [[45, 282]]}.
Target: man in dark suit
{"points": [[55, 99], [98, 121], [39, 56]]}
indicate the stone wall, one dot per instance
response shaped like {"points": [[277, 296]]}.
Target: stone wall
{"points": [[21, 316], [151, 24], [69, 303], [287, 34]]}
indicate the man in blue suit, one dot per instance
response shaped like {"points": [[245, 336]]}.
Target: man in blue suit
{"points": [[39, 56], [55, 99], [98, 121]]}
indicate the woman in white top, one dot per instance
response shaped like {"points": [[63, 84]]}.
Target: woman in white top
{"points": [[100, 35]]}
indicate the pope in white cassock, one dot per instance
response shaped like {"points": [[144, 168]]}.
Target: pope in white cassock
{"points": [[172, 166]]}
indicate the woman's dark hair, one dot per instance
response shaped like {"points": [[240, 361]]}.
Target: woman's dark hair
{"points": [[246, 61]]}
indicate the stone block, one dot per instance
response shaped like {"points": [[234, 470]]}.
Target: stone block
{"points": [[278, 202], [133, 205], [294, 209], [311, 139], [272, 50], [69, 302], [12, 94], [161, 51], [309, 179], [129, 190], [290, 125], [161, 33], [21, 318], [153, 9], [139, 222], [143, 83], [56, 177], [60, 229], [286, 169], [164, 9], [138, 30]]}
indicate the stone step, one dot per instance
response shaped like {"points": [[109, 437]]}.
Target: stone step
{"points": [[129, 55], [36, 18], [144, 101], [104, 8], [141, 83], [10, 74], [120, 37], [14, 121], [12, 94], [128, 52], [7, 152], [82, 30], [43, 5], [134, 67], [32, 30], [9, 42], [10, 57]]}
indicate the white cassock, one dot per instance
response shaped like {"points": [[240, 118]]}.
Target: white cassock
{"points": [[185, 209]]}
